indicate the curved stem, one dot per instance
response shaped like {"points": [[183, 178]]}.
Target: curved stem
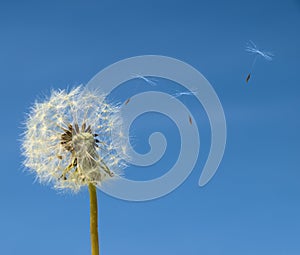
{"points": [[94, 219]]}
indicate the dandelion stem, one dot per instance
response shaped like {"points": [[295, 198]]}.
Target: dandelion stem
{"points": [[94, 219]]}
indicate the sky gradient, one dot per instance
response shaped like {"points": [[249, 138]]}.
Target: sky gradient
{"points": [[252, 204]]}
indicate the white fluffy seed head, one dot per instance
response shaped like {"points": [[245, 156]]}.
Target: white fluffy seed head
{"points": [[71, 139]]}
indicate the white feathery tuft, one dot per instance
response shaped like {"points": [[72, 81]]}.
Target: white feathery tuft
{"points": [[72, 139]]}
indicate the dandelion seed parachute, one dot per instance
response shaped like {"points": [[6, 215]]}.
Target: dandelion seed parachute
{"points": [[252, 48], [144, 78], [74, 139], [185, 93]]}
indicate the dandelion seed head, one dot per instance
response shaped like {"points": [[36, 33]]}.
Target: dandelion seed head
{"points": [[71, 139]]}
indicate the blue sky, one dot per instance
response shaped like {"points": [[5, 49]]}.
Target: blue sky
{"points": [[251, 206]]}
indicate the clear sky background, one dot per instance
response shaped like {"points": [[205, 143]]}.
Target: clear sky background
{"points": [[251, 206]]}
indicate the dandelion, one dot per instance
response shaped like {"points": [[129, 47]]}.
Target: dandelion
{"points": [[72, 140], [252, 48]]}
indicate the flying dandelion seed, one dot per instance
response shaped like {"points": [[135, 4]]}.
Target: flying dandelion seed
{"points": [[252, 48], [190, 120], [68, 140], [184, 93], [147, 80], [127, 101]]}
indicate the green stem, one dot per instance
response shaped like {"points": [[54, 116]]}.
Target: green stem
{"points": [[94, 219]]}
